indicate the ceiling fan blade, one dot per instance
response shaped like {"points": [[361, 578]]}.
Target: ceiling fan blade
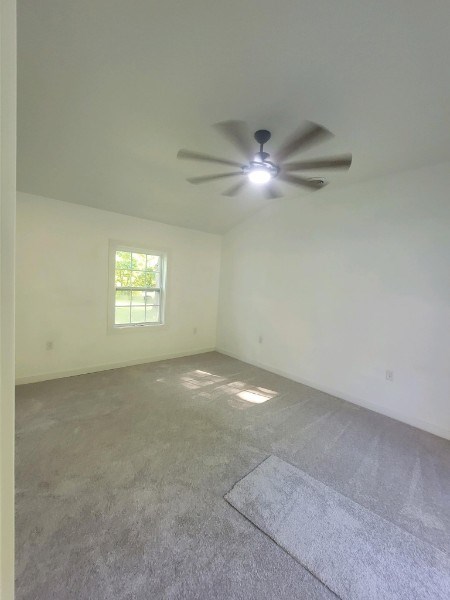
{"points": [[206, 178], [271, 191], [301, 181], [238, 134], [307, 135], [191, 155], [235, 189], [330, 162]]}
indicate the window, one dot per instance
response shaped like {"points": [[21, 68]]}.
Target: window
{"points": [[138, 288]]}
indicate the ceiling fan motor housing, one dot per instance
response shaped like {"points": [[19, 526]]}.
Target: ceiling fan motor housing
{"points": [[261, 165]]}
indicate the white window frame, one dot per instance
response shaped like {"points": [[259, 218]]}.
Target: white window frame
{"points": [[115, 246]]}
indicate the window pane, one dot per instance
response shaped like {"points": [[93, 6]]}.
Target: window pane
{"points": [[138, 298], [123, 298], [152, 298], [138, 261], [123, 278], [141, 272], [152, 315], [138, 314], [152, 280], [138, 279], [153, 263], [123, 259], [122, 315]]}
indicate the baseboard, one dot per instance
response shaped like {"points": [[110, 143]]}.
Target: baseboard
{"points": [[96, 368], [393, 414]]}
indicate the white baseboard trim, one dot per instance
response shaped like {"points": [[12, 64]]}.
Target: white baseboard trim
{"points": [[96, 368], [393, 414]]}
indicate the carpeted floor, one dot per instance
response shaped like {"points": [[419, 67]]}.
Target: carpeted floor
{"points": [[356, 553], [121, 477]]}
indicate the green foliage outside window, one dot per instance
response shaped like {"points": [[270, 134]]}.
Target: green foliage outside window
{"points": [[137, 270]]}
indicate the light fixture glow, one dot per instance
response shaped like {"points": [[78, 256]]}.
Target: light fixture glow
{"points": [[259, 176]]}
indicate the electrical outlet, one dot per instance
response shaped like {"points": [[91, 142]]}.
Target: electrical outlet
{"points": [[389, 375], [194, 331], [260, 339]]}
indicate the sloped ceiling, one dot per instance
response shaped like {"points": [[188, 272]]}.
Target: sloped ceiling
{"points": [[109, 90]]}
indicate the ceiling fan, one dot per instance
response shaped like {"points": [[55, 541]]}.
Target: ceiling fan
{"points": [[258, 169]]}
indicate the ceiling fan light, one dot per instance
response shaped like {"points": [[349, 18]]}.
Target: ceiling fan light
{"points": [[259, 176]]}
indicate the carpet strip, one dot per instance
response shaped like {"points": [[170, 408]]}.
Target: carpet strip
{"points": [[354, 552]]}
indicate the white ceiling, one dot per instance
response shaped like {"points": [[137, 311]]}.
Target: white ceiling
{"points": [[109, 90]]}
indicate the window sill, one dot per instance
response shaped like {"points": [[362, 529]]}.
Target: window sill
{"points": [[143, 327]]}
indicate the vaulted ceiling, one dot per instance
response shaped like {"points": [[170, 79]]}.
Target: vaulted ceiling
{"points": [[109, 90]]}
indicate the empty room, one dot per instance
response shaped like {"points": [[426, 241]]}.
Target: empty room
{"points": [[225, 296]]}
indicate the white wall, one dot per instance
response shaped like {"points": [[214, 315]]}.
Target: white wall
{"points": [[62, 290], [8, 60], [345, 284]]}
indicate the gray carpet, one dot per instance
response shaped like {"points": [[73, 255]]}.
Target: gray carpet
{"points": [[354, 552], [121, 476]]}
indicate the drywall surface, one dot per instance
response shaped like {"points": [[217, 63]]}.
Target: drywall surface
{"points": [[62, 290], [343, 285], [8, 101]]}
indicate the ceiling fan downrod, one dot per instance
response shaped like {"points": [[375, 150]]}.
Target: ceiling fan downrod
{"points": [[262, 136]]}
